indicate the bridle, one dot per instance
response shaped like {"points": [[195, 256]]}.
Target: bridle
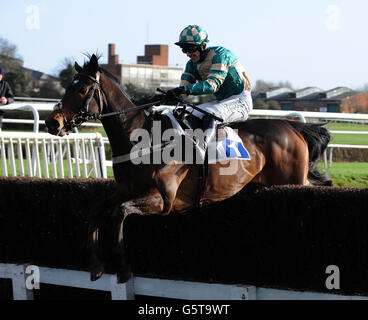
{"points": [[83, 115]]}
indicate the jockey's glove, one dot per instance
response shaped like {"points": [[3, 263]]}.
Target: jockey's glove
{"points": [[175, 94]]}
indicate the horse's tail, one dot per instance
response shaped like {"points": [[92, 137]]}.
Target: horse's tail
{"points": [[317, 138]]}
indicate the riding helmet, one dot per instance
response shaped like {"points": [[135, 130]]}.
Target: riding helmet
{"points": [[192, 35]]}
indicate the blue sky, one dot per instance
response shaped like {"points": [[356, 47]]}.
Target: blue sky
{"points": [[309, 43]]}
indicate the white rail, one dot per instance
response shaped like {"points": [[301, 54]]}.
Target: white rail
{"points": [[48, 106], [43, 155], [174, 289], [310, 115], [28, 121]]}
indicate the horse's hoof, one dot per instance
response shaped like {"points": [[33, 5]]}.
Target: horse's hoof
{"points": [[96, 275], [123, 277]]}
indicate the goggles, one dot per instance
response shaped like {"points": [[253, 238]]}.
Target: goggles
{"points": [[189, 49]]}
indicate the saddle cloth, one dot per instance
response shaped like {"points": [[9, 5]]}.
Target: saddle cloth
{"points": [[228, 145]]}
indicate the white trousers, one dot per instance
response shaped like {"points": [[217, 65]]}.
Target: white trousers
{"points": [[233, 109]]}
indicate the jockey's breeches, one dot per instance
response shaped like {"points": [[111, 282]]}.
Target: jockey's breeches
{"points": [[233, 109]]}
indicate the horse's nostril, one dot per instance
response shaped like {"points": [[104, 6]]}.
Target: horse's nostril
{"points": [[52, 125]]}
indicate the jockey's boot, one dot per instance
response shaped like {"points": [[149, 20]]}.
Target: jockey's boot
{"points": [[209, 130]]}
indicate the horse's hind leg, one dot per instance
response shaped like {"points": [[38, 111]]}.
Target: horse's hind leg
{"points": [[151, 203], [96, 266]]}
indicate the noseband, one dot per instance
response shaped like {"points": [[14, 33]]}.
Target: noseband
{"points": [[83, 115]]}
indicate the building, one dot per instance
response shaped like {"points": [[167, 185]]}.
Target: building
{"points": [[157, 55], [340, 99], [40, 79], [37, 79], [150, 72]]}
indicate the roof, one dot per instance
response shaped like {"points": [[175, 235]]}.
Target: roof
{"points": [[38, 75], [308, 93]]}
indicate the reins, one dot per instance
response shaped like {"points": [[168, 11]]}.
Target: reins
{"points": [[83, 114]]}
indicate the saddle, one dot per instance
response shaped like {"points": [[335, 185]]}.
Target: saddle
{"points": [[179, 118], [225, 145]]}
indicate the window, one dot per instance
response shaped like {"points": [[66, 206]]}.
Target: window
{"points": [[163, 74], [156, 74], [148, 73], [133, 71], [286, 106], [332, 107], [125, 72], [172, 74], [141, 72]]}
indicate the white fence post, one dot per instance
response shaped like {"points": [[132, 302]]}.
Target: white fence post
{"points": [[154, 287], [122, 291], [88, 152], [80, 161], [20, 292]]}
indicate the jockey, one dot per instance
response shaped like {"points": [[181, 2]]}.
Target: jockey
{"points": [[213, 70]]}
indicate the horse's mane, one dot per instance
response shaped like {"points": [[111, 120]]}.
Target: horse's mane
{"points": [[115, 80], [105, 72]]}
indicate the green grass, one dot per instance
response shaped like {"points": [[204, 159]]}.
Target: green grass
{"points": [[51, 173], [348, 138], [346, 126], [348, 174], [336, 138], [344, 174]]}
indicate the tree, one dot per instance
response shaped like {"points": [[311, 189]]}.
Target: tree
{"points": [[285, 84], [260, 104], [138, 93], [7, 48], [262, 86], [67, 72], [19, 82], [48, 90], [266, 105], [273, 105], [9, 58], [365, 88]]}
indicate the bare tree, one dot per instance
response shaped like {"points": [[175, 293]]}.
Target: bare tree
{"points": [[365, 88], [262, 86], [9, 59], [7, 48]]}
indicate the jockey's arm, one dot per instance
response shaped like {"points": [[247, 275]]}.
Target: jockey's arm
{"points": [[211, 85]]}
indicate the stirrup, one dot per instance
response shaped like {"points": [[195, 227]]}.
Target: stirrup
{"points": [[202, 149]]}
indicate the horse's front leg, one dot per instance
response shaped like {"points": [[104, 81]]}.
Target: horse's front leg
{"points": [[147, 204], [100, 213]]}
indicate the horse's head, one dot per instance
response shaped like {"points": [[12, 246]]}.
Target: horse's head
{"points": [[83, 100]]}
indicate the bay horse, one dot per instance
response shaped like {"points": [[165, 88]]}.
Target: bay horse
{"points": [[281, 151]]}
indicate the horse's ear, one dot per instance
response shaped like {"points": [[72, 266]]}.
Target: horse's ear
{"points": [[77, 67], [93, 64]]}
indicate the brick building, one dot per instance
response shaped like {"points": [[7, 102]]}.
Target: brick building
{"points": [[157, 55], [150, 72], [340, 99]]}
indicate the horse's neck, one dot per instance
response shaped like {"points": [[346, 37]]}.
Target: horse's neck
{"points": [[119, 127]]}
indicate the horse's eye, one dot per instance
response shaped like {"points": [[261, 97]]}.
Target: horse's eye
{"points": [[83, 90]]}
